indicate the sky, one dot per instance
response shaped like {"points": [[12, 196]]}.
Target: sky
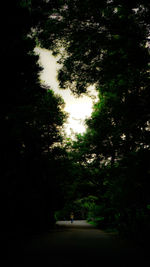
{"points": [[78, 108]]}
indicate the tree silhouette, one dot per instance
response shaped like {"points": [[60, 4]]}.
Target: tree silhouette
{"points": [[105, 43], [31, 119]]}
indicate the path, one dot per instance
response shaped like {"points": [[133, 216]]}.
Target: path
{"points": [[80, 244]]}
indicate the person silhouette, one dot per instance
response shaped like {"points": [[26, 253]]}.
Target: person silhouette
{"points": [[72, 217]]}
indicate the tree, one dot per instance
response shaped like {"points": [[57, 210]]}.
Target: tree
{"points": [[101, 41], [31, 119], [105, 43]]}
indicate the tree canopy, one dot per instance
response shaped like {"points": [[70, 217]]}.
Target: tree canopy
{"points": [[104, 174], [106, 44], [31, 118]]}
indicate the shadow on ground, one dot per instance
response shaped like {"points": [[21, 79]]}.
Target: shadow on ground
{"points": [[80, 244]]}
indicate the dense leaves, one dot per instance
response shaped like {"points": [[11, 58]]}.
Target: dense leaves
{"points": [[103, 175], [31, 119], [106, 44]]}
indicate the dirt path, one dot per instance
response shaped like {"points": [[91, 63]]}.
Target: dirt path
{"points": [[80, 244]]}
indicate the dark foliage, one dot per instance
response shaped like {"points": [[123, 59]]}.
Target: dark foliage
{"points": [[106, 44], [31, 119], [104, 174]]}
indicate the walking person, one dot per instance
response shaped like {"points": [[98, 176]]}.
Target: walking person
{"points": [[72, 217]]}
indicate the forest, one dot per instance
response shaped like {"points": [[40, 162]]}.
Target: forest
{"points": [[103, 175]]}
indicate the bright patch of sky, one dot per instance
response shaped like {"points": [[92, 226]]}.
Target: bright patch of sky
{"points": [[78, 108]]}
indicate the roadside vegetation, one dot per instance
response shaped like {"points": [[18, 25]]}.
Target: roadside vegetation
{"points": [[103, 176]]}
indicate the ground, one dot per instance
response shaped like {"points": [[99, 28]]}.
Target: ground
{"points": [[80, 244]]}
